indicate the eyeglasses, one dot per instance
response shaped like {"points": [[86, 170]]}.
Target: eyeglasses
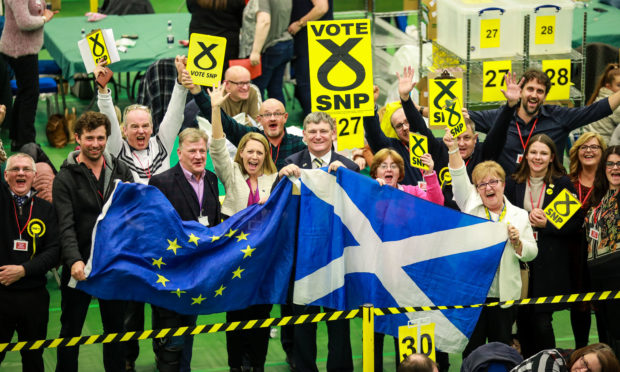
{"points": [[400, 126], [240, 83], [17, 170], [611, 164], [585, 148], [385, 166], [585, 364], [492, 183], [276, 115]]}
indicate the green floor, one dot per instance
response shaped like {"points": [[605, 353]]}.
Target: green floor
{"points": [[209, 350]]}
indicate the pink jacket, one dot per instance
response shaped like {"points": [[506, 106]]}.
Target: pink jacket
{"points": [[23, 27], [433, 190]]}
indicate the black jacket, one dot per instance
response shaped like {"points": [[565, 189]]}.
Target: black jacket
{"points": [[36, 263], [78, 204], [173, 184]]}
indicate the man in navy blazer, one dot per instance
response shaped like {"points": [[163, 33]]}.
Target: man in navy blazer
{"points": [[192, 191], [319, 134]]}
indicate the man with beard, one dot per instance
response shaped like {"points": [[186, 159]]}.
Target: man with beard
{"points": [[272, 116], [81, 188], [532, 117]]}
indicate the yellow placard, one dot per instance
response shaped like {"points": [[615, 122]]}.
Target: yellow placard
{"points": [[558, 71], [341, 80], [562, 208], [350, 132], [494, 79], [418, 146], [444, 97], [456, 125], [410, 341], [545, 30], [97, 47], [205, 59], [489, 33]]}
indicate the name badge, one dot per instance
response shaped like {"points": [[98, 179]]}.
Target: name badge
{"points": [[593, 233], [422, 185], [519, 158], [20, 245], [536, 235], [203, 220]]}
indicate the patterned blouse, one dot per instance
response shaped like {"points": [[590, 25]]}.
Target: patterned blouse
{"points": [[603, 221]]}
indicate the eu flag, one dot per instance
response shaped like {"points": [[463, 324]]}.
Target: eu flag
{"points": [[362, 243], [142, 251]]}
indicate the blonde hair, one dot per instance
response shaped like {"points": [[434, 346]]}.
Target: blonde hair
{"points": [[268, 166], [575, 164], [486, 168], [381, 156], [192, 135]]}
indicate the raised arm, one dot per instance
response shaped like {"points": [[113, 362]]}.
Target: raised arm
{"points": [[173, 119], [375, 137], [106, 107], [218, 97]]}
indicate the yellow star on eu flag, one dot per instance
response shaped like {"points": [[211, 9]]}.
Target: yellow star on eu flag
{"points": [[242, 236], [198, 300], [173, 246], [161, 280], [214, 238], [237, 273], [178, 292], [230, 233], [193, 239], [219, 291], [248, 251], [158, 262]]}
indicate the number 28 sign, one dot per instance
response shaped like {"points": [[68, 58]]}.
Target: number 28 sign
{"points": [[559, 72]]}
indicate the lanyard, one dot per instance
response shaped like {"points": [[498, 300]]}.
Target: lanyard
{"points": [[147, 170], [539, 196], [21, 230], [467, 162], [583, 202], [501, 216], [277, 153], [530, 136]]}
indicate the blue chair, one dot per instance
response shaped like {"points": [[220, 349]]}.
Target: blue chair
{"points": [[49, 68], [47, 87]]}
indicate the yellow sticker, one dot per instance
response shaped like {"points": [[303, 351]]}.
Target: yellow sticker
{"points": [[444, 94], [341, 80], [558, 71], [350, 132], [205, 59], [494, 79], [562, 208], [97, 46], [545, 30], [410, 341], [489, 33], [418, 146]]}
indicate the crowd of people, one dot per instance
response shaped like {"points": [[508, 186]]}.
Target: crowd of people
{"points": [[48, 216]]}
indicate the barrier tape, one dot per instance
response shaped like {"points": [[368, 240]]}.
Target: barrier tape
{"points": [[287, 320]]}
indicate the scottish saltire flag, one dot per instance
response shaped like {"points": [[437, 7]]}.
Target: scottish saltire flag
{"points": [[142, 251], [362, 243]]}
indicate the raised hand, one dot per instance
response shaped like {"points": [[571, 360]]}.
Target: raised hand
{"points": [[450, 142], [218, 96], [427, 160], [188, 83], [180, 62], [405, 83], [513, 89]]}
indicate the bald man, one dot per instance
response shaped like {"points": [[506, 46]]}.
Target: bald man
{"points": [[243, 98]]}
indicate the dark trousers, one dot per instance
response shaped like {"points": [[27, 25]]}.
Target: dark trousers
{"points": [[494, 325], [273, 62], [339, 355], [172, 353], [74, 305], [287, 333], [301, 65], [610, 311], [535, 330], [134, 321], [27, 313], [379, 338], [254, 342], [26, 70]]}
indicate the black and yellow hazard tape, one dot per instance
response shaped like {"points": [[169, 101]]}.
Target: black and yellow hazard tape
{"points": [[569, 298], [284, 321]]}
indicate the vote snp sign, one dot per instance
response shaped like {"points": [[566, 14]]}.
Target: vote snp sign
{"points": [[562, 208], [494, 79], [350, 132], [416, 338], [98, 46], [558, 71], [341, 67], [445, 97], [205, 59], [418, 146]]}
